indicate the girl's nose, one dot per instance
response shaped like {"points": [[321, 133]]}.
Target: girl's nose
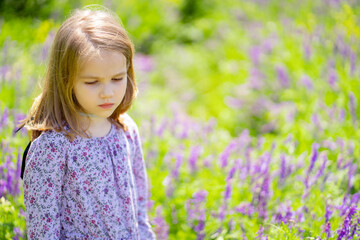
{"points": [[107, 91]]}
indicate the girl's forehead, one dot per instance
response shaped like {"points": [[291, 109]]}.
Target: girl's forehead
{"points": [[105, 62], [104, 59]]}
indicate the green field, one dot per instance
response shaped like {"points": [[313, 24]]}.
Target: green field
{"points": [[248, 112]]}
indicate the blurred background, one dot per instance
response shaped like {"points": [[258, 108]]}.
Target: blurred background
{"points": [[248, 112]]}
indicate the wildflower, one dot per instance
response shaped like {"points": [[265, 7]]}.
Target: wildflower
{"points": [[194, 155], [282, 167], [345, 230], [196, 212], [283, 76], [161, 227], [175, 171], [332, 78], [327, 230], [144, 62], [352, 106], [256, 78], [314, 156], [306, 82], [226, 153], [255, 55], [5, 117], [352, 62], [328, 213]]}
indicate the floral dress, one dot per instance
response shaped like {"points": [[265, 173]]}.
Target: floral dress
{"points": [[87, 189]]}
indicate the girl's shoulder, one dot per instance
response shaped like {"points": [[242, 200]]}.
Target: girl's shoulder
{"points": [[129, 122], [53, 137]]}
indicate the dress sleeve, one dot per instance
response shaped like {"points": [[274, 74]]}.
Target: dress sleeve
{"points": [[42, 187], [141, 183]]}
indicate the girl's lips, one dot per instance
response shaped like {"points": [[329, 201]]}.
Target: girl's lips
{"points": [[106, 105]]}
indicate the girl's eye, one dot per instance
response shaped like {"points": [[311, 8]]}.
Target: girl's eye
{"points": [[115, 79], [90, 83]]}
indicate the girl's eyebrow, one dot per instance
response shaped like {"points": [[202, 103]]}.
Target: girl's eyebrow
{"points": [[94, 77]]}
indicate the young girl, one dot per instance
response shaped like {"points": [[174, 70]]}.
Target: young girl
{"points": [[85, 176]]}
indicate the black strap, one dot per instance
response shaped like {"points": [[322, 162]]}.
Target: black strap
{"points": [[24, 156], [24, 159]]}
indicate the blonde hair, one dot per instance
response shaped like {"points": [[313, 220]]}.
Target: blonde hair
{"points": [[84, 33]]}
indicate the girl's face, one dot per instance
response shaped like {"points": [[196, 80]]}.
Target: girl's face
{"points": [[101, 80]]}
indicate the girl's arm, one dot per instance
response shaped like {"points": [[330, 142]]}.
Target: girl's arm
{"points": [[43, 179], [140, 175]]}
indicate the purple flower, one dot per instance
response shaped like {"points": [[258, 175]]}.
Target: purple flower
{"points": [[195, 208], [282, 167], [9, 181], [200, 196], [307, 50], [5, 117], [162, 127], [314, 156], [339, 161], [47, 45], [233, 170], [268, 45], [194, 155], [328, 213], [352, 63], [327, 230], [226, 153], [2, 188], [346, 227], [260, 233], [256, 78], [175, 171], [307, 82], [263, 196], [255, 55], [332, 78], [161, 227], [283, 76], [18, 233], [351, 147], [315, 119], [352, 106], [18, 171], [143, 62], [199, 228], [342, 114], [245, 208], [222, 211], [341, 47], [300, 214], [352, 171], [228, 189], [4, 70], [322, 167], [209, 126]]}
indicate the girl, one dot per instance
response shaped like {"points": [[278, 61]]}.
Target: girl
{"points": [[85, 176]]}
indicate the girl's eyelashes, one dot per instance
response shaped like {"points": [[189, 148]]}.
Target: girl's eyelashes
{"points": [[115, 79], [89, 83]]}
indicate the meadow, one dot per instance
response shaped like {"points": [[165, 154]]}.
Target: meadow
{"points": [[248, 113]]}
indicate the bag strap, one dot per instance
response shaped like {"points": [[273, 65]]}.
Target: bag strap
{"points": [[24, 160], [24, 156]]}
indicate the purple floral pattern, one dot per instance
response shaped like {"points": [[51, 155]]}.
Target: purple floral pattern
{"points": [[88, 188]]}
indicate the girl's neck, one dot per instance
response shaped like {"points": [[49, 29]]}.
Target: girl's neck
{"points": [[94, 123], [88, 115]]}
